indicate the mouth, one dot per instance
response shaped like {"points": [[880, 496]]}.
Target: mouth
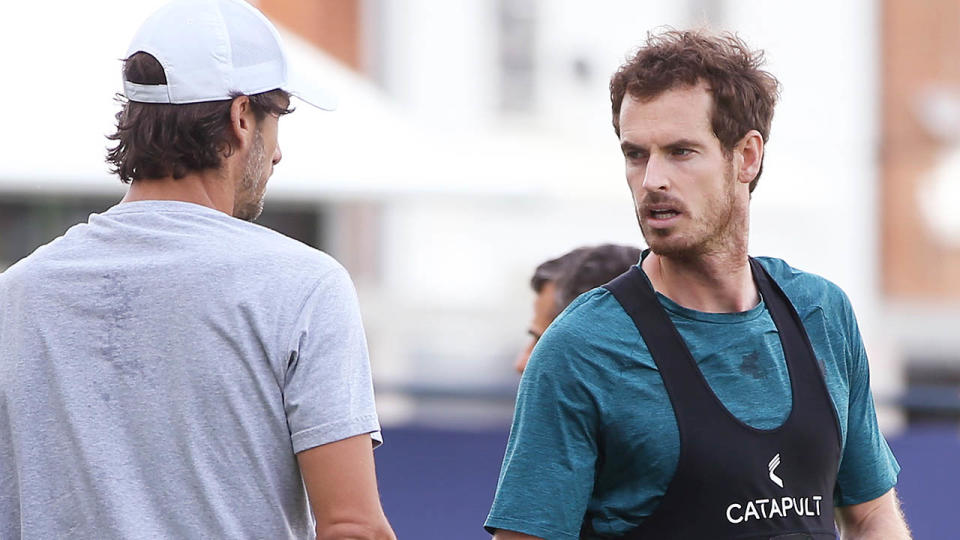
{"points": [[662, 216]]}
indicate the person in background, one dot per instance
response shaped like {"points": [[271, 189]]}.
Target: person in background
{"points": [[559, 281], [704, 393], [169, 369]]}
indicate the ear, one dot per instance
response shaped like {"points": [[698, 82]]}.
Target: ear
{"points": [[750, 152], [242, 121]]}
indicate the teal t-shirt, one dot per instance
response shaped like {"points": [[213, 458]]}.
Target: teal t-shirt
{"points": [[594, 436]]}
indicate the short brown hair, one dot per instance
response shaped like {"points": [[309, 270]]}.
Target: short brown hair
{"points": [[155, 140], [743, 94]]}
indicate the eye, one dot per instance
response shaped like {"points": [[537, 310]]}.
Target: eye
{"points": [[681, 152]]}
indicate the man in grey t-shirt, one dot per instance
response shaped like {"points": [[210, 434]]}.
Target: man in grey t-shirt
{"points": [[168, 370]]}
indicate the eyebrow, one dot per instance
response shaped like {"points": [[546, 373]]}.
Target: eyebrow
{"points": [[684, 143], [627, 146]]}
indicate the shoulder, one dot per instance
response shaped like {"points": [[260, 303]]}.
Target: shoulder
{"points": [[827, 315], [31, 268], [807, 291], [269, 252], [592, 333], [273, 244], [580, 322], [223, 239]]}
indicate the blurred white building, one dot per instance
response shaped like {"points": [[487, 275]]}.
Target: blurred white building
{"points": [[473, 142]]}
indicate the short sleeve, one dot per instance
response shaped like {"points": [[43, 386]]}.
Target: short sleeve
{"points": [[868, 468], [549, 466], [328, 391]]}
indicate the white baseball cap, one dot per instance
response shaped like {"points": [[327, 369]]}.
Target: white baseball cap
{"points": [[213, 50]]}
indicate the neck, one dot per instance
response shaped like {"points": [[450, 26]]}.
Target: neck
{"points": [[209, 188], [718, 282]]}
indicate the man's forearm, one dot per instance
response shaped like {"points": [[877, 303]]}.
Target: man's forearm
{"points": [[885, 528], [880, 519], [881, 529]]}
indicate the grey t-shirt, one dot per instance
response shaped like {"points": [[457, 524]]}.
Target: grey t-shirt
{"points": [[160, 366]]}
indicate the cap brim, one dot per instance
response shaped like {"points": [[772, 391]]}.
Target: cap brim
{"points": [[308, 92]]}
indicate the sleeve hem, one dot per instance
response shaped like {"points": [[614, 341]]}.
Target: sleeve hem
{"points": [[494, 523], [868, 495], [337, 431]]}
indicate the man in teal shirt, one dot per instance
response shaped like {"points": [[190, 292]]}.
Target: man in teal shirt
{"points": [[596, 449]]}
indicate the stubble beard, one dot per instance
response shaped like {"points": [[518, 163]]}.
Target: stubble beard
{"points": [[249, 199], [718, 229]]}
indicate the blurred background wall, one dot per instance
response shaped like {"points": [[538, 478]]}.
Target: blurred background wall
{"points": [[474, 141]]}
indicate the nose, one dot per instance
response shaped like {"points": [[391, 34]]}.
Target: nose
{"points": [[655, 174], [277, 155]]}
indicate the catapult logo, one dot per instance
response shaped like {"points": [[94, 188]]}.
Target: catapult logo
{"points": [[774, 507], [774, 463]]}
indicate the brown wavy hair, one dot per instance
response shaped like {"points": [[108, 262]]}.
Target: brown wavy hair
{"points": [[157, 140], [743, 94]]}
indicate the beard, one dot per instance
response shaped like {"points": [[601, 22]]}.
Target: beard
{"points": [[248, 203], [718, 226]]}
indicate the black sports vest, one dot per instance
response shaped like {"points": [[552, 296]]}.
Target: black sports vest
{"points": [[732, 480]]}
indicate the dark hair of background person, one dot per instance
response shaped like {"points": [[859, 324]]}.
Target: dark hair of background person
{"points": [[744, 95], [582, 269], [157, 140], [550, 270], [593, 267]]}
